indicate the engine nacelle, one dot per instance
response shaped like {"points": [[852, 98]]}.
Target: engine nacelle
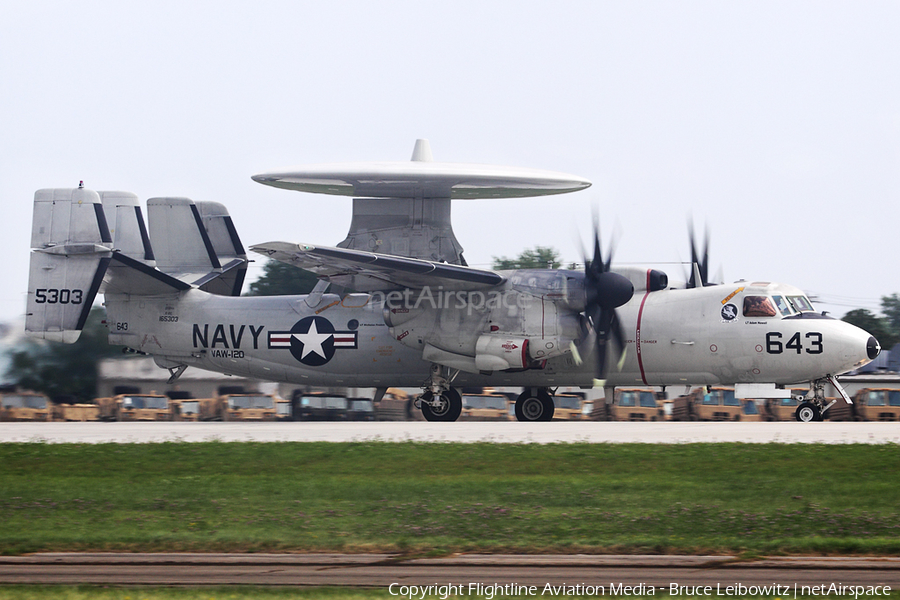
{"points": [[499, 352], [644, 280]]}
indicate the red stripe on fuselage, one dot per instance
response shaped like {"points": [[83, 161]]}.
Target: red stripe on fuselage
{"points": [[637, 333]]}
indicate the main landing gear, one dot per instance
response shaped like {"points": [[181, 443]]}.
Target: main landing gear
{"points": [[534, 404], [440, 402], [443, 406]]}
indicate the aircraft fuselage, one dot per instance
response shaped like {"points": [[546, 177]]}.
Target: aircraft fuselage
{"points": [[699, 336]]}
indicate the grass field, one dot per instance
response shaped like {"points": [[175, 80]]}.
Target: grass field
{"points": [[430, 499]]}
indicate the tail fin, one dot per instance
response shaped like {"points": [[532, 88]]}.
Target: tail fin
{"points": [[126, 223], [71, 248], [84, 242], [196, 242], [132, 269]]}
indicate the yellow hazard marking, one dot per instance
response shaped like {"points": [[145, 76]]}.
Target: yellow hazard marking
{"points": [[733, 294], [324, 308]]}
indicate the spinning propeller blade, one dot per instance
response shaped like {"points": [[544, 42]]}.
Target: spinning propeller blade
{"points": [[699, 263], [604, 292]]}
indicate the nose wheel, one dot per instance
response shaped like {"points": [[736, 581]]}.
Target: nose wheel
{"points": [[534, 404], [808, 412]]}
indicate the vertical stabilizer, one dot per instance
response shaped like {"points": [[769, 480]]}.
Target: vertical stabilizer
{"points": [[180, 243], [127, 226], [227, 246], [70, 242], [196, 242]]}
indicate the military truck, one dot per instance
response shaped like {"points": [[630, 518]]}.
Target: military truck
{"points": [[630, 404], [568, 406], [196, 409], [637, 404], [25, 406], [248, 407], [876, 404], [781, 409], [484, 406], [397, 405], [283, 410], [143, 407], [360, 409], [318, 406], [66, 409], [714, 404]]}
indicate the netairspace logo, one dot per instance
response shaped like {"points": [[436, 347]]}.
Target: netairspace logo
{"points": [[439, 299]]}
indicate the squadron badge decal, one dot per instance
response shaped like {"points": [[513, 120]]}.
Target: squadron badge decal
{"points": [[729, 312], [313, 340]]}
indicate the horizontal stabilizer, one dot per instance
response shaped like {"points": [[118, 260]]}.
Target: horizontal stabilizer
{"points": [[127, 275], [368, 271]]}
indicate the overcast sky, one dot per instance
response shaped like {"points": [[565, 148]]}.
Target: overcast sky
{"points": [[774, 124]]}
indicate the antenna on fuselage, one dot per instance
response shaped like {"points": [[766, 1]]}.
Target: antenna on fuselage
{"points": [[422, 152]]}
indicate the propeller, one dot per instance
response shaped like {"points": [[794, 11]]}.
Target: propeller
{"points": [[604, 292], [699, 264]]}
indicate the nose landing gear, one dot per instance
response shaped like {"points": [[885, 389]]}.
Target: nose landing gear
{"points": [[813, 409], [808, 411]]}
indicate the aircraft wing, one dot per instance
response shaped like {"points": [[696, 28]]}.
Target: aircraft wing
{"points": [[369, 271]]}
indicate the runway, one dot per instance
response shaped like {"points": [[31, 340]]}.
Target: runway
{"points": [[844, 432], [382, 570]]}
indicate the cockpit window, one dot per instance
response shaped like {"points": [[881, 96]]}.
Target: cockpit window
{"points": [[758, 306], [783, 305], [801, 303]]}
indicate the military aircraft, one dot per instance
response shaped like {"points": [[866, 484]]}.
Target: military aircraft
{"points": [[417, 315]]}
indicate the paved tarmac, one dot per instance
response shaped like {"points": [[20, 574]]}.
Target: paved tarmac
{"points": [[463, 431], [382, 570]]}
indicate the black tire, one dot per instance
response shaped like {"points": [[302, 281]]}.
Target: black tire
{"points": [[807, 412], [532, 408], [549, 407], [448, 409]]}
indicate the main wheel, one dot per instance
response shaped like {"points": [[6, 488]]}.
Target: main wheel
{"points": [[534, 406], [446, 407], [807, 412]]}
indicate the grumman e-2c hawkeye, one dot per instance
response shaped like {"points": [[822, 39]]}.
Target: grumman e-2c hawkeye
{"points": [[417, 316]]}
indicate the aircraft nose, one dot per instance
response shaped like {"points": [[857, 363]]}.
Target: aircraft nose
{"points": [[873, 348]]}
